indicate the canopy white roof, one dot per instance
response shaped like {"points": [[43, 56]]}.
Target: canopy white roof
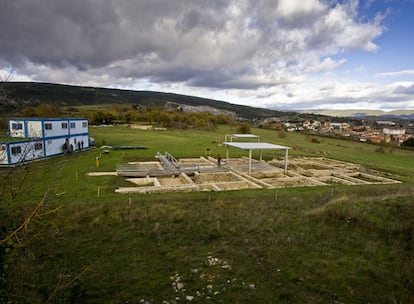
{"points": [[245, 135], [256, 146], [229, 138]]}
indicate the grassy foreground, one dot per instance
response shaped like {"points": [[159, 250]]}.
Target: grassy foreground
{"points": [[333, 244]]}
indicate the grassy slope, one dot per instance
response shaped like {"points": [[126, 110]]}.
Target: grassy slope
{"points": [[302, 245]]}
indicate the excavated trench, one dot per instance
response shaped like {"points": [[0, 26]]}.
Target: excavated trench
{"points": [[202, 174]]}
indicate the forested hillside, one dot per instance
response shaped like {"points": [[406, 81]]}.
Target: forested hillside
{"points": [[22, 94]]}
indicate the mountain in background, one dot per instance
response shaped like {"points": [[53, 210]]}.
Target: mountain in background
{"points": [[16, 95], [362, 114], [22, 94]]}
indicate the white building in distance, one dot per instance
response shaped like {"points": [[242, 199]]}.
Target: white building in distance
{"points": [[392, 131]]}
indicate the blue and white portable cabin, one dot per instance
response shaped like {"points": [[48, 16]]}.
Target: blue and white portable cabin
{"points": [[15, 152], [43, 137]]}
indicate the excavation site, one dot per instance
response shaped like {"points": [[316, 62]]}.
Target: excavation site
{"points": [[168, 174]]}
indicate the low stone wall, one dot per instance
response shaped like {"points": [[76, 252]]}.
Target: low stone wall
{"points": [[302, 172]]}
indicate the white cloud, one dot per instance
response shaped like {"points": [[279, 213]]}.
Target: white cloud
{"points": [[325, 65], [329, 93], [396, 73]]}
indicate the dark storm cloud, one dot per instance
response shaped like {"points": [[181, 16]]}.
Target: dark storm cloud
{"points": [[216, 43], [57, 33]]}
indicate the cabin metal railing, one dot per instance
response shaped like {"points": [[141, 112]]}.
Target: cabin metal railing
{"points": [[169, 163], [170, 157]]}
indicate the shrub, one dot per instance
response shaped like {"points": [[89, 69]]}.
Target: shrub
{"points": [[244, 128], [408, 143]]}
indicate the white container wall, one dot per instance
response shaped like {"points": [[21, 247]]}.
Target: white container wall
{"points": [[19, 152], [53, 128], [3, 154], [44, 137], [34, 129], [17, 128], [78, 126]]}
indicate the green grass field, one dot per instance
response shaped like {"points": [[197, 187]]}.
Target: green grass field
{"points": [[333, 244]]}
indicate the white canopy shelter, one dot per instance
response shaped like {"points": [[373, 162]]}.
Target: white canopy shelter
{"points": [[241, 136], [256, 146]]}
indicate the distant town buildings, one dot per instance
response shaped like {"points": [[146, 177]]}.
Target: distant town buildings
{"points": [[385, 122], [375, 132], [393, 131]]}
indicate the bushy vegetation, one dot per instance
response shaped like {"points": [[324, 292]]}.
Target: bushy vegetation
{"points": [[175, 119], [243, 128], [41, 110], [157, 116], [408, 143], [87, 244]]}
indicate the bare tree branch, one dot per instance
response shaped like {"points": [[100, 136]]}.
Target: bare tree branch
{"points": [[24, 225], [60, 286]]}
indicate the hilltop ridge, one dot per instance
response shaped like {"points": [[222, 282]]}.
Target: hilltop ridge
{"points": [[16, 95], [21, 94]]}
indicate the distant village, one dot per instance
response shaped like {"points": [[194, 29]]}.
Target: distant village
{"points": [[379, 131], [373, 131]]}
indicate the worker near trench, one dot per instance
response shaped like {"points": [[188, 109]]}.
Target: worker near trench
{"points": [[218, 160]]}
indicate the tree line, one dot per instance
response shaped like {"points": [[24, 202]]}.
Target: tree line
{"points": [[155, 116]]}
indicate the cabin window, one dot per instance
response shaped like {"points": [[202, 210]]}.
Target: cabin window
{"points": [[17, 126], [48, 126], [16, 150], [3, 147], [38, 146], [84, 124], [72, 125], [64, 125]]}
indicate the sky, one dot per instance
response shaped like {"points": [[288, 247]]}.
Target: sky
{"points": [[279, 54]]}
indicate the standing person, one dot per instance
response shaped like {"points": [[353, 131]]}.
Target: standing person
{"points": [[218, 160]]}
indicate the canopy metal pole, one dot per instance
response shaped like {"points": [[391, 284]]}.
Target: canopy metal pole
{"points": [[286, 160], [261, 155], [250, 161], [227, 154]]}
